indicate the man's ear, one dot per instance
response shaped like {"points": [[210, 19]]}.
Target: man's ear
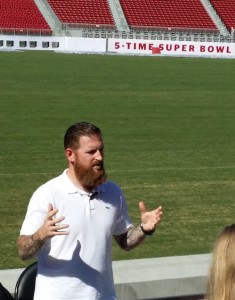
{"points": [[69, 154]]}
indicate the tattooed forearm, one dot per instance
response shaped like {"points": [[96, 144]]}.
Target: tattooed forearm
{"points": [[28, 246], [130, 239]]}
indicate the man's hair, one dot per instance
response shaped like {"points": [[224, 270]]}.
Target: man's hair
{"points": [[221, 278], [75, 131]]}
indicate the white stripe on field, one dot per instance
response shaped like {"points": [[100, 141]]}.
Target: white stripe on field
{"points": [[130, 170]]}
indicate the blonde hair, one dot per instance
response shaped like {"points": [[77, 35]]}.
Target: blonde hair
{"points": [[221, 278]]}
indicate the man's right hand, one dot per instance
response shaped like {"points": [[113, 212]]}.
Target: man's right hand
{"points": [[29, 245], [51, 226]]}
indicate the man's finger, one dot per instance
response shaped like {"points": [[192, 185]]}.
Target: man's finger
{"points": [[51, 211], [50, 207], [60, 227], [58, 220], [142, 207], [158, 210]]}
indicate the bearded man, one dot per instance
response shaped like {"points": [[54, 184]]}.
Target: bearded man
{"points": [[71, 220]]}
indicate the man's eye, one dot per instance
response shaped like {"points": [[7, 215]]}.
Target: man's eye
{"points": [[92, 152]]}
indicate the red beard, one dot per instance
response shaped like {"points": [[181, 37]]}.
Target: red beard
{"points": [[88, 177]]}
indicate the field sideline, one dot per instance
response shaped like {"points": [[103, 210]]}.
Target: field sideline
{"points": [[168, 125]]}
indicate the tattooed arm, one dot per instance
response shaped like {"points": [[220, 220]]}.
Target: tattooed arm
{"points": [[135, 235], [29, 245], [132, 238]]}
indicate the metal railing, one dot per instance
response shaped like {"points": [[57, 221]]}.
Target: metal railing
{"points": [[109, 31], [26, 31], [158, 35]]}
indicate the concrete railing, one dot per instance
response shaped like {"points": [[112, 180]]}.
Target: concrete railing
{"points": [[178, 277]]}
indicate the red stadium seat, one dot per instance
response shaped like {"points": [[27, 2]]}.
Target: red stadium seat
{"points": [[24, 14], [91, 12], [226, 11], [162, 13]]}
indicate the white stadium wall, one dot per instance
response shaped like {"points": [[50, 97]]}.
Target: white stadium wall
{"points": [[52, 43], [117, 46], [73, 44]]}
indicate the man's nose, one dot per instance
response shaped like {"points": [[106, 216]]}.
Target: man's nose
{"points": [[99, 155]]}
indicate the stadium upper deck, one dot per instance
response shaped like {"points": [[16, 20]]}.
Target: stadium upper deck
{"points": [[102, 18]]}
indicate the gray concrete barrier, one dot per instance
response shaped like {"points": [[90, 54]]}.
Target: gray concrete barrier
{"points": [[178, 277]]}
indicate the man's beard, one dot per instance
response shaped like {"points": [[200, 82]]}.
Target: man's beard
{"points": [[89, 178]]}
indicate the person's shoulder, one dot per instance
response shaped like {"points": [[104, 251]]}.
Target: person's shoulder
{"points": [[111, 192], [110, 185], [51, 183]]}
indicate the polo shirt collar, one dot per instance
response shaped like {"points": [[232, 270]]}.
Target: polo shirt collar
{"points": [[72, 189]]}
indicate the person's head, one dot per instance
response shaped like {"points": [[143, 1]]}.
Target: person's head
{"points": [[84, 150], [221, 278]]}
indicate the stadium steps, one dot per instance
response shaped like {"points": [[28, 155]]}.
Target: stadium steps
{"points": [[215, 17], [50, 16], [118, 15]]}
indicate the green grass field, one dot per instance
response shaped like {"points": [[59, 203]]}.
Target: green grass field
{"points": [[169, 131]]}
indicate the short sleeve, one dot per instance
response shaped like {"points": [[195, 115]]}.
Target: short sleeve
{"points": [[36, 212], [123, 221]]}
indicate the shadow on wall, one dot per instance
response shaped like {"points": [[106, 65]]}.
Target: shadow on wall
{"points": [[125, 290]]}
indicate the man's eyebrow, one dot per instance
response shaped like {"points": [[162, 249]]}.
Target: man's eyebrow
{"points": [[94, 148]]}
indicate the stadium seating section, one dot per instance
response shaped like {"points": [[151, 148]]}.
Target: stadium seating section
{"points": [[92, 12], [162, 13], [226, 11], [22, 15]]}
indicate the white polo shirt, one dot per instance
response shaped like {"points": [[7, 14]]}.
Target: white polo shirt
{"points": [[77, 266]]}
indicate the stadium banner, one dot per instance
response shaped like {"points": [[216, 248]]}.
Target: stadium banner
{"points": [[171, 48]]}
